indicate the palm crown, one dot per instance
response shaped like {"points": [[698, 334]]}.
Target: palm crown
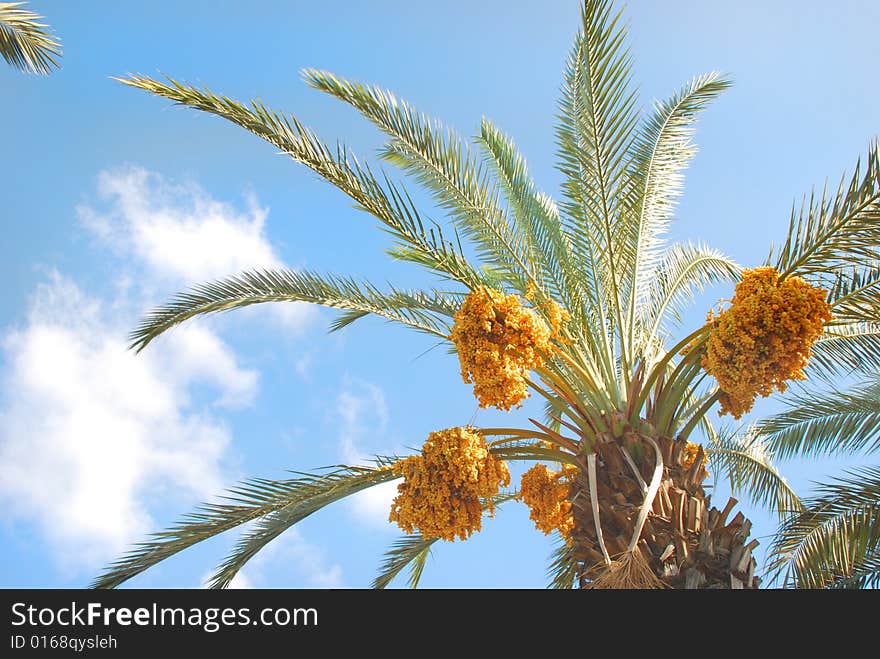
{"points": [[578, 302]]}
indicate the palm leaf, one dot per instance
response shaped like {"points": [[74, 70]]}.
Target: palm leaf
{"points": [[594, 135], [410, 549], [251, 500], [835, 231], [386, 201], [843, 349], [686, 270], [530, 451], [563, 568], [828, 541], [25, 43], [746, 461], [442, 162], [661, 153], [828, 422], [865, 573], [418, 310], [854, 295], [537, 219]]}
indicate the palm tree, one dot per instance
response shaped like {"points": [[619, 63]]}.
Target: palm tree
{"points": [[25, 43], [834, 542], [578, 302]]}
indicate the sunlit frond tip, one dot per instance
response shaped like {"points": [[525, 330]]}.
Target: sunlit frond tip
{"points": [[25, 43], [836, 229]]}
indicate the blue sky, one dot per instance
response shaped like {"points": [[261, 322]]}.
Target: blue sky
{"points": [[113, 200]]}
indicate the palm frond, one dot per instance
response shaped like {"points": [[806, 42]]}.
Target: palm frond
{"points": [[828, 542], [686, 270], [250, 500], [661, 153], [410, 549], [413, 551], [441, 161], [25, 43], [843, 349], [418, 310], [537, 219], [563, 569], [277, 521], [594, 136], [746, 461], [865, 573], [824, 422], [385, 200], [854, 295], [530, 451], [838, 230]]}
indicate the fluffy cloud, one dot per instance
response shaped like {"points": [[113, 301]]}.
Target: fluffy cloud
{"points": [[88, 429], [177, 230], [92, 436], [181, 235], [361, 414]]}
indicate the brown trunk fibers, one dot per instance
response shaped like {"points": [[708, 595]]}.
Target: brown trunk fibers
{"points": [[685, 543]]}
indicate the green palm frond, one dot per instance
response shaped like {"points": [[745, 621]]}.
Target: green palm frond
{"points": [[385, 200], [662, 151], [836, 230], [826, 422], [441, 161], [686, 270], [845, 349], [563, 568], [537, 219], [421, 311], [865, 573], [594, 135], [249, 501], [855, 295], [323, 491], [827, 543], [25, 43], [413, 551], [530, 451], [410, 550], [746, 461]]}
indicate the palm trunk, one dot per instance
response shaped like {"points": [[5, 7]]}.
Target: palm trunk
{"points": [[685, 542]]}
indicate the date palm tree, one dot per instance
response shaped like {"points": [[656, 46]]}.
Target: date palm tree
{"points": [[26, 43], [834, 542], [578, 302]]}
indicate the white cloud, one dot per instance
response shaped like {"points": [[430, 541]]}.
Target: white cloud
{"points": [[92, 435], [196, 352], [177, 230], [239, 582], [303, 365], [88, 429], [181, 235], [361, 413], [308, 561], [373, 505]]}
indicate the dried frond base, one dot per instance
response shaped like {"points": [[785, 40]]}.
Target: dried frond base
{"points": [[687, 542], [628, 572]]}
